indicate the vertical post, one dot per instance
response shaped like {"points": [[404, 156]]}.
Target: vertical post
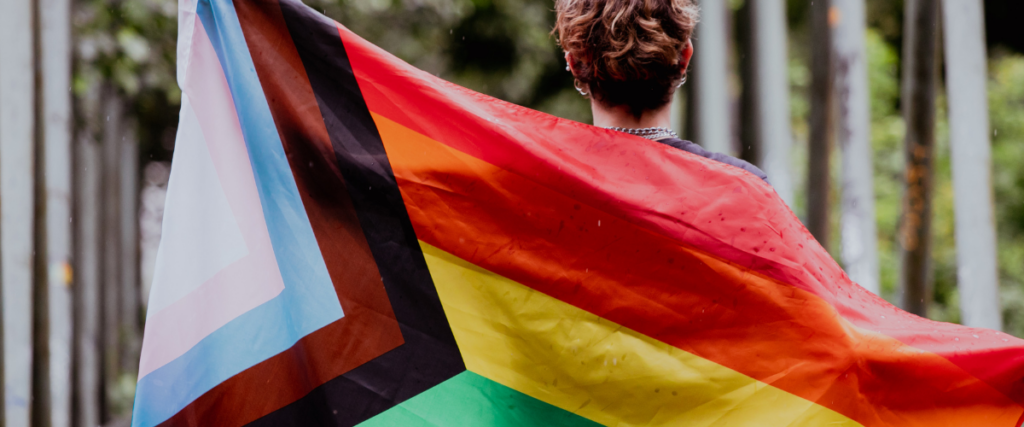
{"points": [[819, 177], [87, 300], [40, 400], [771, 85], [87, 380], [131, 342], [920, 51], [858, 230], [750, 146], [16, 205], [966, 74], [110, 285], [55, 29], [711, 86]]}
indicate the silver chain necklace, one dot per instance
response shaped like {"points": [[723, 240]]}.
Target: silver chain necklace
{"points": [[654, 133]]}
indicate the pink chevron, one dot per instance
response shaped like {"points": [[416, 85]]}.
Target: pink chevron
{"points": [[247, 282]]}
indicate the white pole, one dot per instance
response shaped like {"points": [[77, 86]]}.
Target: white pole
{"points": [[859, 241], [966, 74], [773, 132], [711, 88], [56, 66], [17, 162]]}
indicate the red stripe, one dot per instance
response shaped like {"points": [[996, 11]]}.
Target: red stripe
{"points": [[675, 194], [720, 311]]}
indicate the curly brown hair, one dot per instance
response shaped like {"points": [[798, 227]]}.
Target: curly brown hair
{"points": [[627, 51]]}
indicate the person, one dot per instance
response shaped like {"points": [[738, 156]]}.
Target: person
{"points": [[629, 57]]}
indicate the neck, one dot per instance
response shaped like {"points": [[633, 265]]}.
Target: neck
{"points": [[620, 116]]}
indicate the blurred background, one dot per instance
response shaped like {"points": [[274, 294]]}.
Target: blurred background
{"points": [[866, 115]]}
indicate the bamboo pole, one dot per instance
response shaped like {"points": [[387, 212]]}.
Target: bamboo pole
{"points": [[966, 75], [771, 94], [820, 119], [712, 118], [859, 242], [920, 53], [17, 162]]}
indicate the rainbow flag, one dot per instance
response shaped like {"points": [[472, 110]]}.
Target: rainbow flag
{"points": [[349, 240]]}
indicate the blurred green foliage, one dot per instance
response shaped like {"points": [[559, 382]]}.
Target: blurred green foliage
{"points": [[1006, 109], [499, 47], [503, 48], [127, 47], [1006, 106]]}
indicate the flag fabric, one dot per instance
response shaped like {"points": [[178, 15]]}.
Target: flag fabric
{"points": [[351, 240]]}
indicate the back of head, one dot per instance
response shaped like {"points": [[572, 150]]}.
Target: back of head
{"points": [[627, 51]]}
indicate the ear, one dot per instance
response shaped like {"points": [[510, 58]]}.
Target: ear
{"points": [[571, 61], [686, 54]]}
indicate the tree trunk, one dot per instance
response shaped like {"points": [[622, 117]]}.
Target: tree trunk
{"points": [[712, 118], [920, 52], [56, 63], [88, 339], [966, 75], [17, 137], [111, 284], [131, 341], [859, 241], [819, 182], [40, 404], [750, 146], [771, 93]]}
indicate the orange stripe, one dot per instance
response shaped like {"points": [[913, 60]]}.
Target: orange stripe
{"points": [[722, 312], [630, 177]]}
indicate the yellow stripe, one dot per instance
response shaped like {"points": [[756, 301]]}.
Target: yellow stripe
{"points": [[570, 358]]}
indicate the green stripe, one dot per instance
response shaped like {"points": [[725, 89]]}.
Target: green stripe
{"points": [[469, 399]]}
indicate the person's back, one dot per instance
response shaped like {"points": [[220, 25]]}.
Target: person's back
{"points": [[629, 57]]}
